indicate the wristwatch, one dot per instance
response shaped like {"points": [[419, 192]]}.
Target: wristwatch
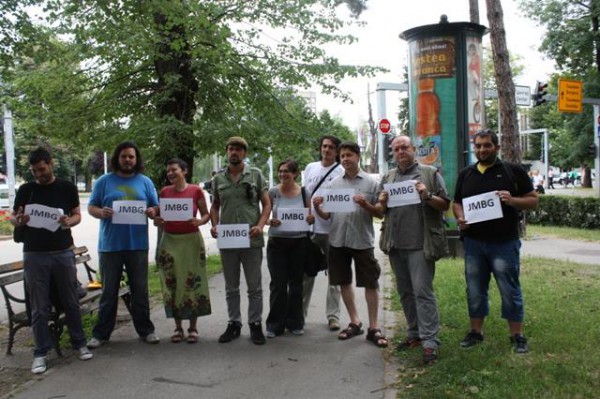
{"points": [[429, 196]]}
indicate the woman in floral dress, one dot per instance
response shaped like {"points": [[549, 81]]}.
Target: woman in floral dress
{"points": [[182, 256]]}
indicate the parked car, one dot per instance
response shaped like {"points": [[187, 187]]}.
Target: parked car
{"points": [[564, 176]]}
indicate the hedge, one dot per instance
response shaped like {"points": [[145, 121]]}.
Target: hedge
{"points": [[553, 210]]}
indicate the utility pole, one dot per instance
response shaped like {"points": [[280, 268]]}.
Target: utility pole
{"points": [[9, 147]]}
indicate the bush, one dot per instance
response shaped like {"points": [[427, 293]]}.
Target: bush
{"points": [[553, 210], [5, 227]]}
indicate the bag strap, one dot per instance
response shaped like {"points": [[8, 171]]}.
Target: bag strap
{"points": [[323, 179]]}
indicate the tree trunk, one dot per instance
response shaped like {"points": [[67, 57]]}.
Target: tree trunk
{"points": [[474, 11], [374, 166], [176, 94], [510, 146]]}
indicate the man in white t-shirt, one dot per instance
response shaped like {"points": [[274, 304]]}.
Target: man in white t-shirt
{"points": [[313, 174]]}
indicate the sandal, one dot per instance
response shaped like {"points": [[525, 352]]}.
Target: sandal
{"points": [[192, 336], [376, 336], [177, 336], [351, 331]]}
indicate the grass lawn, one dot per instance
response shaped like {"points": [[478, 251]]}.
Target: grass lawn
{"points": [[568, 233], [562, 317]]}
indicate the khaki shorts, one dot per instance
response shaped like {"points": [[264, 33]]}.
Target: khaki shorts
{"points": [[365, 264]]}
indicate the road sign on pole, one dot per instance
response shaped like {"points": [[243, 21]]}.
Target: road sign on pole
{"points": [[385, 126], [570, 96]]}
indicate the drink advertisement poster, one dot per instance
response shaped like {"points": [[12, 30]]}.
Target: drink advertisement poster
{"points": [[475, 112], [433, 90]]}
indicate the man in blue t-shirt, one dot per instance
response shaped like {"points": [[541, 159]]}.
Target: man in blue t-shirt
{"points": [[123, 241]]}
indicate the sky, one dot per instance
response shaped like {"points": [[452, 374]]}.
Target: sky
{"points": [[379, 45]]}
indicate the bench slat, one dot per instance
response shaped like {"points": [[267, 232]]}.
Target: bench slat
{"points": [[11, 267], [12, 278]]}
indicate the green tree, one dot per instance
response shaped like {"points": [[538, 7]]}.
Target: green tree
{"points": [[572, 40], [180, 76]]}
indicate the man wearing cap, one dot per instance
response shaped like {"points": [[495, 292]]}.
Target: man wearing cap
{"points": [[237, 191]]}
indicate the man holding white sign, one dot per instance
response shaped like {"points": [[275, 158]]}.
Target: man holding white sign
{"points": [[351, 238], [121, 200], [492, 243], [238, 192], [52, 209], [413, 199]]}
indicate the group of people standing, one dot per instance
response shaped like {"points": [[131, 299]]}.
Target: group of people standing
{"points": [[413, 237]]}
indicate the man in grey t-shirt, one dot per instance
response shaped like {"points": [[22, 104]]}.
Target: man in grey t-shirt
{"points": [[404, 241]]}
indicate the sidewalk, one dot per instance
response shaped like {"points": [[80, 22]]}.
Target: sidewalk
{"points": [[316, 365]]}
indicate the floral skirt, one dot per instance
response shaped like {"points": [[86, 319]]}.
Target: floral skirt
{"points": [[182, 268]]}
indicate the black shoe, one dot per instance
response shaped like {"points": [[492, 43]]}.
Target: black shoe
{"points": [[471, 339], [256, 333], [232, 332], [519, 343]]}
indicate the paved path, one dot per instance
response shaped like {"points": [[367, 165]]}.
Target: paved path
{"points": [[316, 365], [556, 248]]}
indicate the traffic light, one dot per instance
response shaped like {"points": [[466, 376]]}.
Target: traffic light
{"points": [[539, 97], [388, 154], [592, 150]]}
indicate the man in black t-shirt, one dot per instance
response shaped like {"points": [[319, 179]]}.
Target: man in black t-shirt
{"points": [[47, 209], [492, 246]]}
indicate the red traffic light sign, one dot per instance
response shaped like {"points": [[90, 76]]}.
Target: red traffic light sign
{"points": [[385, 126]]}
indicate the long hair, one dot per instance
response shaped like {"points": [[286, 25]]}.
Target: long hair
{"points": [[335, 142], [114, 159]]}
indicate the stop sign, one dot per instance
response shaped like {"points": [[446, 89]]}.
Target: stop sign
{"points": [[385, 126]]}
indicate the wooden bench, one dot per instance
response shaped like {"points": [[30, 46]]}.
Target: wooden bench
{"points": [[12, 273]]}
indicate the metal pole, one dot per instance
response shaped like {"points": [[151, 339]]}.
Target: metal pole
{"points": [[380, 142], [105, 163], [9, 147], [597, 142], [546, 159]]}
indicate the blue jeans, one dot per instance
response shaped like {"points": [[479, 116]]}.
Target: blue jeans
{"points": [[111, 270], [52, 271], [482, 259]]}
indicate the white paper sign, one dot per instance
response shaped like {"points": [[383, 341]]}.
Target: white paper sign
{"points": [[292, 219], [482, 207], [129, 212], [402, 193], [43, 217], [339, 200], [233, 236], [176, 209]]}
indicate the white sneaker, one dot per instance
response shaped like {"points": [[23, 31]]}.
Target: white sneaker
{"points": [[84, 353], [298, 331], [39, 365], [152, 338], [94, 343], [271, 334]]}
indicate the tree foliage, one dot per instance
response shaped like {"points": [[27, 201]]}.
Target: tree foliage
{"points": [[179, 76], [572, 40]]}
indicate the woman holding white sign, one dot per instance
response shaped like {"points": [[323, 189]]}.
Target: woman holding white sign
{"points": [[287, 251], [181, 252]]}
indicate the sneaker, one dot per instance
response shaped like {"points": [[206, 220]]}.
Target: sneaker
{"points": [[271, 334], [333, 324], [256, 334], [84, 353], [298, 331], [95, 343], [39, 365], [471, 339], [430, 355], [519, 343], [232, 332], [408, 343], [151, 338]]}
